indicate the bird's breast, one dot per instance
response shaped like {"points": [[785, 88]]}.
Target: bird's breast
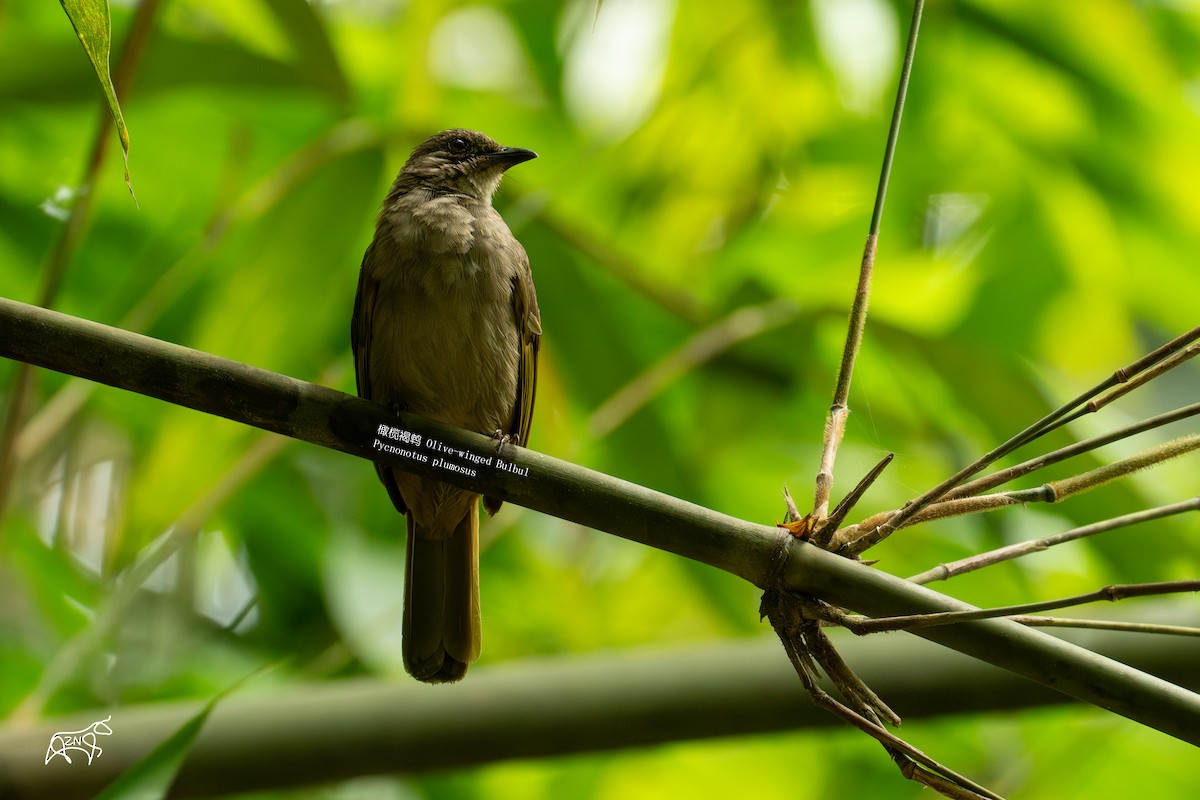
{"points": [[445, 342]]}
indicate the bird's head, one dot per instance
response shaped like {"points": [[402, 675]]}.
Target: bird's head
{"points": [[463, 162]]}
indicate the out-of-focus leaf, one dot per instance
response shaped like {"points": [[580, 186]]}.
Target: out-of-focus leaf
{"points": [[313, 51], [151, 778], [94, 28], [172, 62]]}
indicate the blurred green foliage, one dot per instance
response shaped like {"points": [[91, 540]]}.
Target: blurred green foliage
{"points": [[1042, 229]]}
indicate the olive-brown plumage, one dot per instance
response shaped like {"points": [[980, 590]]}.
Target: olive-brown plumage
{"points": [[446, 326]]}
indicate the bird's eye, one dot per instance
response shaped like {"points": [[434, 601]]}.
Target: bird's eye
{"points": [[457, 146]]}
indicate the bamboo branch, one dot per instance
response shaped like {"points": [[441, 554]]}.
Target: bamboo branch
{"points": [[367, 430], [863, 707]]}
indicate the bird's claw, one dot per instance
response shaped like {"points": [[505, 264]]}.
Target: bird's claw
{"points": [[503, 438]]}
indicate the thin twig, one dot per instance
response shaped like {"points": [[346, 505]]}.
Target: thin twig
{"points": [[916, 773], [860, 696], [1046, 424], [855, 539], [1152, 456], [1032, 465], [1111, 593], [1106, 625], [1166, 365], [835, 423], [848, 541], [793, 513], [944, 571], [1124, 374]]}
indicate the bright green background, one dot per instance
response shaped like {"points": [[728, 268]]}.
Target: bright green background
{"points": [[1042, 229]]}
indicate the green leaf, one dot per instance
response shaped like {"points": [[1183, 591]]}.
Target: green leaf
{"points": [[151, 777], [94, 28]]}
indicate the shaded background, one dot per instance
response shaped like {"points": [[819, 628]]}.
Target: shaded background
{"points": [[697, 158]]}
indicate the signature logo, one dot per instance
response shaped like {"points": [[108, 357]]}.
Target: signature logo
{"points": [[84, 741]]}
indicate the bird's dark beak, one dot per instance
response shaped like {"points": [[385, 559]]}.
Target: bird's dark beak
{"points": [[510, 156]]}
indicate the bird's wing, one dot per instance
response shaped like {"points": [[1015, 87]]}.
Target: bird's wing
{"points": [[529, 325], [361, 327]]}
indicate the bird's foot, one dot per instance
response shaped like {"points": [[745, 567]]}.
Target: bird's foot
{"points": [[503, 438]]}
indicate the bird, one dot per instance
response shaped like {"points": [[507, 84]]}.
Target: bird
{"points": [[446, 326]]}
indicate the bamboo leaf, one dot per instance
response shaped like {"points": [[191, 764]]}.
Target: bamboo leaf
{"points": [[93, 26], [151, 777]]}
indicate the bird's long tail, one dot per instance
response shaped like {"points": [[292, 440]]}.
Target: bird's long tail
{"points": [[442, 629]]}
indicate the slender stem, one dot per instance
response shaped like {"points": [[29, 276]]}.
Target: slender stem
{"points": [[1034, 464], [1134, 382], [849, 542], [1107, 625], [1047, 423], [796, 621], [1057, 491], [835, 425], [1110, 593], [981, 560], [1150, 373], [889, 152]]}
